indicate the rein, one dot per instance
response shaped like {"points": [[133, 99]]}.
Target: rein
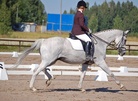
{"points": [[111, 45]]}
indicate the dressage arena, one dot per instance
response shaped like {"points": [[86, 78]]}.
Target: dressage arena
{"points": [[64, 87]]}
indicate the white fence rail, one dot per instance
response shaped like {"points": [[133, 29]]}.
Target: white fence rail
{"points": [[70, 70]]}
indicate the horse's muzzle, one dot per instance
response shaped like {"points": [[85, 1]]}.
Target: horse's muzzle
{"points": [[122, 51]]}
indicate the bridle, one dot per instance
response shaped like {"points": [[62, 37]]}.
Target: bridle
{"points": [[119, 46]]}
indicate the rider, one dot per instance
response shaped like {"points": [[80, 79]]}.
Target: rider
{"points": [[80, 29]]}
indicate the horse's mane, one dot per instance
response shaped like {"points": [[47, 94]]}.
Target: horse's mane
{"points": [[104, 31]]}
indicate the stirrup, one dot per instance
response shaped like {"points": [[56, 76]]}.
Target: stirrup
{"points": [[88, 58], [92, 58]]}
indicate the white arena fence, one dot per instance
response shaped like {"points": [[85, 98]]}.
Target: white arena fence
{"points": [[66, 70], [71, 70]]}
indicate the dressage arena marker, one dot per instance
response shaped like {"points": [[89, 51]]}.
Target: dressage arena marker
{"points": [[3, 72], [120, 57], [48, 70], [33, 67], [102, 76], [15, 54], [123, 69]]}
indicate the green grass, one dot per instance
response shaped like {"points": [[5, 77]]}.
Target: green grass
{"points": [[11, 49], [115, 52], [34, 35], [132, 53], [8, 48]]}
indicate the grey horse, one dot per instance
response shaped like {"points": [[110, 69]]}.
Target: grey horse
{"points": [[58, 48]]}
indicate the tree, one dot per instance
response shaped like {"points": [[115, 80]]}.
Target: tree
{"points": [[14, 11], [131, 21], [65, 12], [92, 10], [118, 23], [72, 11], [93, 23], [31, 11], [5, 20], [112, 13], [27, 10], [103, 17], [118, 9]]}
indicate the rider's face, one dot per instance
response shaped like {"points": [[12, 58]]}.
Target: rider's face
{"points": [[82, 8]]}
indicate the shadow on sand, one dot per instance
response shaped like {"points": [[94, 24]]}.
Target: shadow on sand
{"points": [[87, 90]]}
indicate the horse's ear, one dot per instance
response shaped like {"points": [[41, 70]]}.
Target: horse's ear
{"points": [[126, 32]]}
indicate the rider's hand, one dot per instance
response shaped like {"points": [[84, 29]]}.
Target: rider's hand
{"points": [[90, 31]]}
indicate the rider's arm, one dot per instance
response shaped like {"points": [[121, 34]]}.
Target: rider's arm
{"points": [[82, 24]]}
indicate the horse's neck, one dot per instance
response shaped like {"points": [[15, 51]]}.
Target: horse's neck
{"points": [[107, 36]]}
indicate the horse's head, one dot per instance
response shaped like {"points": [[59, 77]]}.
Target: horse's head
{"points": [[121, 43]]}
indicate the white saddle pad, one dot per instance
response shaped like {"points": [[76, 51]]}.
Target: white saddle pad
{"points": [[76, 44]]}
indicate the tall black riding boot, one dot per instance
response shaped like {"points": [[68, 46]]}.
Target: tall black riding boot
{"points": [[92, 51], [88, 50]]}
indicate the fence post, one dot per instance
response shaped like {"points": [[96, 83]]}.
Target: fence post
{"points": [[19, 45], [129, 49]]}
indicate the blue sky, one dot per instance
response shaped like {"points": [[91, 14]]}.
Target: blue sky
{"points": [[53, 6]]}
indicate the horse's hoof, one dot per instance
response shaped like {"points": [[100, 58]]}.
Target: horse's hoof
{"points": [[48, 82], [123, 87], [33, 89], [83, 90]]}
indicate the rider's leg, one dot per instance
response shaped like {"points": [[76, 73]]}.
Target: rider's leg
{"points": [[89, 48], [83, 37]]}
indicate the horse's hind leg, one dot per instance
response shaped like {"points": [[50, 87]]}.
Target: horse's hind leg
{"points": [[48, 82], [41, 67], [105, 68]]}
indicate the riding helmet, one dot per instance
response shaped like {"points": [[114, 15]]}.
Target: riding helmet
{"points": [[81, 3]]}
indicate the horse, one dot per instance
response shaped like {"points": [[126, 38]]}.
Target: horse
{"points": [[59, 48]]}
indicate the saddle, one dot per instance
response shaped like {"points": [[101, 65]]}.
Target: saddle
{"points": [[88, 47], [73, 37]]}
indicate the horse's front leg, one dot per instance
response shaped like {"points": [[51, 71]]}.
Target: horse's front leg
{"points": [[102, 64], [83, 72]]}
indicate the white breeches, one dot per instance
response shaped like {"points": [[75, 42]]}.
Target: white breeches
{"points": [[83, 37]]}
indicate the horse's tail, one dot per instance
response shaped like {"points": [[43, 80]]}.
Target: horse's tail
{"points": [[35, 46]]}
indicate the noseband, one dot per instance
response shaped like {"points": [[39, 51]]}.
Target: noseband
{"points": [[120, 46]]}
